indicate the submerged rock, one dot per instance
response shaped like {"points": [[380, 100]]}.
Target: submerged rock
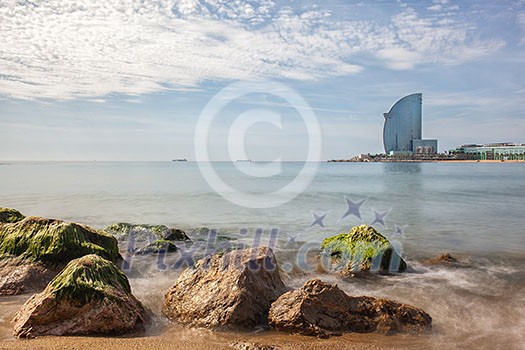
{"points": [[158, 247], [322, 309], [143, 232], [8, 215], [21, 276], [90, 296], [210, 236], [175, 234], [234, 290], [362, 249], [443, 259], [246, 345], [54, 242]]}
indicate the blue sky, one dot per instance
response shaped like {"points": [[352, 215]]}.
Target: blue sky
{"points": [[128, 80]]}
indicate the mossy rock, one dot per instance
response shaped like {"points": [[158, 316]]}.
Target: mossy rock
{"points": [[54, 242], [87, 279], [140, 232], [175, 234], [202, 234], [363, 248], [89, 296], [157, 247], [8, 215]]}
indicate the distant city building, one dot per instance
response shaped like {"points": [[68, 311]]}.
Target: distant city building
{"points": [[402, 132], [491, 151]]}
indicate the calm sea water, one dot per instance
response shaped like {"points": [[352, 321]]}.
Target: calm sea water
{"points": [[472, 210]]}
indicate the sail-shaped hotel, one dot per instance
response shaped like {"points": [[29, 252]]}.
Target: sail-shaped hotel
{"points": [[402, 132]]}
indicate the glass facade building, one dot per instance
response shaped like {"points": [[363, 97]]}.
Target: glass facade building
{"points": [[403, 124]]}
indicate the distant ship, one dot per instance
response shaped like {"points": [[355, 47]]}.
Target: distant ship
{"points": [[243, 160], [179, 160]]}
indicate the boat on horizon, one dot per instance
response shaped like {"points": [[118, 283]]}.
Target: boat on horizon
{"points": [[179, 160]]}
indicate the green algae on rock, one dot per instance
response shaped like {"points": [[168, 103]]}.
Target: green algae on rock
{"points": [[144, 232], [54, 242], [90, 296], [9, 215], [158, 247], [363, 248], [89, 278]]}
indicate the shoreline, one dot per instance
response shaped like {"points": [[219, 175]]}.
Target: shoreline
{"points": [[165, 335], [175, 337], [428, 161]]}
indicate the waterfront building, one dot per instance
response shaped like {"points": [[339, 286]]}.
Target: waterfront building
{"points": [[402, 131], [491, 151]]}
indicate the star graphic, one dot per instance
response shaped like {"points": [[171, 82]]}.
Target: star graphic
{"points": [[353, 208], [318, 219], [400, 230], [291, 238], [379, 218]]}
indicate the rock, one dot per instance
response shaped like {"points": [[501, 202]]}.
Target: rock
{"points": [[229, 291], [143, 232], [362, 249], [200, 231], [322, 309], [140, 232], [21, 276], [175, 234], [54, 242], [443, 259], [90, 296], [245, 345], [158, 247], [8, 215]]}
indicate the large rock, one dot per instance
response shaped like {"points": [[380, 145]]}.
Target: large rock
{"points": [[322, 309], [362, 249], [33, 249], [54, 242], [234, 290], [90, 296], [21, 276], [8, 215]]}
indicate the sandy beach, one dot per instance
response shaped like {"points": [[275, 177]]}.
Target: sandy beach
{"points": [[170, 336], [163, 336]]}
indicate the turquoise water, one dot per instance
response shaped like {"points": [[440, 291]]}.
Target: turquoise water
{"points": [[472, 210]]}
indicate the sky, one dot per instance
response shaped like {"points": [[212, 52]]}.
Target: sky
{"points": [[134, 80]]}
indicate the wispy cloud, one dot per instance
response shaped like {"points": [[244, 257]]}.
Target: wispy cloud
{"points": [[521, 22], [73, 49]]}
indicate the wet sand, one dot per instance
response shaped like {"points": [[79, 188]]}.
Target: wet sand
{"points": [[176, 337], [163, 335]]}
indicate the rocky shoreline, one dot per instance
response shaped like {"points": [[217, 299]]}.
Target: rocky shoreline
{"points": [[86, 293]]}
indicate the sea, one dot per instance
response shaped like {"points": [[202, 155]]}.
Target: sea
{"points": [[474, 211]]}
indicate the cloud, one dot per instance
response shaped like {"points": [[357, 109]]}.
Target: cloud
{"points": [[433, 40], [75, 49], [399, 58], [521, 22]]}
